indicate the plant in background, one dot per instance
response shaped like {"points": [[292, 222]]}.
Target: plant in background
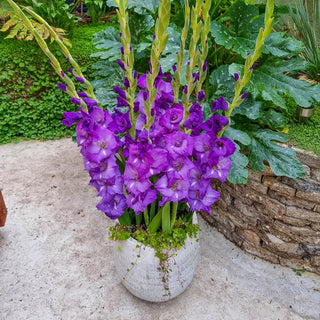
{"points": [[306, 18], [56, 12], [96, 9], [16, 28], [258, 122]]}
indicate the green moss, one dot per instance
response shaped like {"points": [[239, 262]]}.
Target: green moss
{"points": [[304, 135], [159, 241]]}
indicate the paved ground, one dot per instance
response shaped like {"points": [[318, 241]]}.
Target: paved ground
{"points": [[56, 259]]}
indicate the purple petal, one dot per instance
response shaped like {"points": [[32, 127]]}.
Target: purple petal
{"points": [[62, 86], [76, 101], [121, 64]]}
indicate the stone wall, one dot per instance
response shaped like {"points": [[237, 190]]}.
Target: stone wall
{"points": [[275, 218]]}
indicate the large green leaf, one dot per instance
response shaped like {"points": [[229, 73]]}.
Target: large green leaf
{"points": [[109, 41], [243, 28], [104, 87], [282, 161], [222, 83], [274, 119], [238, 172], [250, 108], [237, 135], [270, 82]]}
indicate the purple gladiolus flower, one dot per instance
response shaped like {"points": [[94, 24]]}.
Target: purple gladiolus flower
{"points": [[140, 201], [220, 104], [180, 167], [223, 147], [63, 74], [82, 95], [62, 86], [80, 79], [102, 171], [244, 95], [205, 66], [196, 77], [120, 92], [136, 180], [236, 77], [126, 83], [201, 200], [202, 147], [218, 168], [75, 101], [71, 118], [113, 205], [110, 186], [201, 96], [194, 120], [197, 182], [135, 74], [122, 102], [179, 143], [185, 90], [122, 51], [122, 121], [70, 71], [121, 64], [102, 145], [90, 102], [172, 189], [172, 118], [214, 124], [142, 81], [174, 68]]}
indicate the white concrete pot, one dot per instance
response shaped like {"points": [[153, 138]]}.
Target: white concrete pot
{"points": [[138, 269]]}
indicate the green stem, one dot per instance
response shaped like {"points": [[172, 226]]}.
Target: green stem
{"points": [[146, 216], [138, 219], [153, 210], [250, 60], [174, 214], [65, 51], [166, 226]]}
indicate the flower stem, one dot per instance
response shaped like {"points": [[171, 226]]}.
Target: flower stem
{"points": [[174, 214], [146, 216], [250, 60]]}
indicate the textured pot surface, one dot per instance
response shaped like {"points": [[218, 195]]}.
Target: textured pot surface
{"points": [[138, 269]]}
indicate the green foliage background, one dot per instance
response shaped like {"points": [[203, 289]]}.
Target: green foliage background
{"points": [[31, 105]]}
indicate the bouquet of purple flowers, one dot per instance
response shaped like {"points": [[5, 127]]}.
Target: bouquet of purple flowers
{"points": [[155, 155], [173, 162]]}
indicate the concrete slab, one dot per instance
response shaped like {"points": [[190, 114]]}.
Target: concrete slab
{"points": [[56, 259]]}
